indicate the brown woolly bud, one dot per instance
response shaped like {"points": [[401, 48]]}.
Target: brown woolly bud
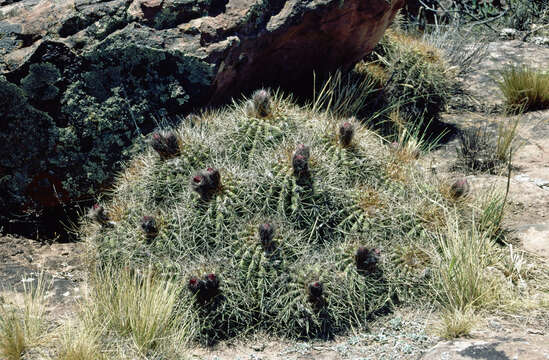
{"points": [[165, 143], [459, 188], [212, 282], [266, 235], [205, 289], [301, 166], [315, 290], [346, 133], [148, 225], [200, 185], [366, 259], [97, 214], [214, 178], [195, 285], [211, 287], [300, 162], [303, 150], [262, 102], [206, 183]]}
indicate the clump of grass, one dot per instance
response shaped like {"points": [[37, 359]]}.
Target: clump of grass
{"points": [[13, 342], [484, 151], [525, 88], [80, 342], [140, 305], [456, 323], [348, 94], [463, 282], [468, 276], [21, 329]]}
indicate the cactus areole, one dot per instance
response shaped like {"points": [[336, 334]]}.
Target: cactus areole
{"points": [[315, 290], [346, 133], [266, 234], [459, 188], [148, 225], [206, 183], [366, 260], [205, 289]]}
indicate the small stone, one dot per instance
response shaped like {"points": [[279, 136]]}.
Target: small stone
{"points": [[522, 178], [541, 183], [508, 33], [494, 324], [540, 40]]}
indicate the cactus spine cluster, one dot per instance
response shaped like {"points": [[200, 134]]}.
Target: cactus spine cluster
{"points": [[346, 133], [260, 105], [97, 214], [149, 227], [206, 183], [366, 259], [166, 144]]}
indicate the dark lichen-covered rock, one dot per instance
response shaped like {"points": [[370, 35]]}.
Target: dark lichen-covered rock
{"points": [[85, 79]]}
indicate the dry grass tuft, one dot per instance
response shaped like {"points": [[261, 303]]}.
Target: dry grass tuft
{"points": [[524, 88], [80, 342], [456, 323], [22, 329], [415, 45], [140, 305]]}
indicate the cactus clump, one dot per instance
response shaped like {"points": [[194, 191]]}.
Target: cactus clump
{"points": [[97, 214], [346, 133], [149, 227], [206, 183], [459, 188], [366, 259], [292, 234], [166, 144]]}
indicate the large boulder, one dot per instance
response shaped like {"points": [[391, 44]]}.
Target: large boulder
{"points": [[81, 80]]}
